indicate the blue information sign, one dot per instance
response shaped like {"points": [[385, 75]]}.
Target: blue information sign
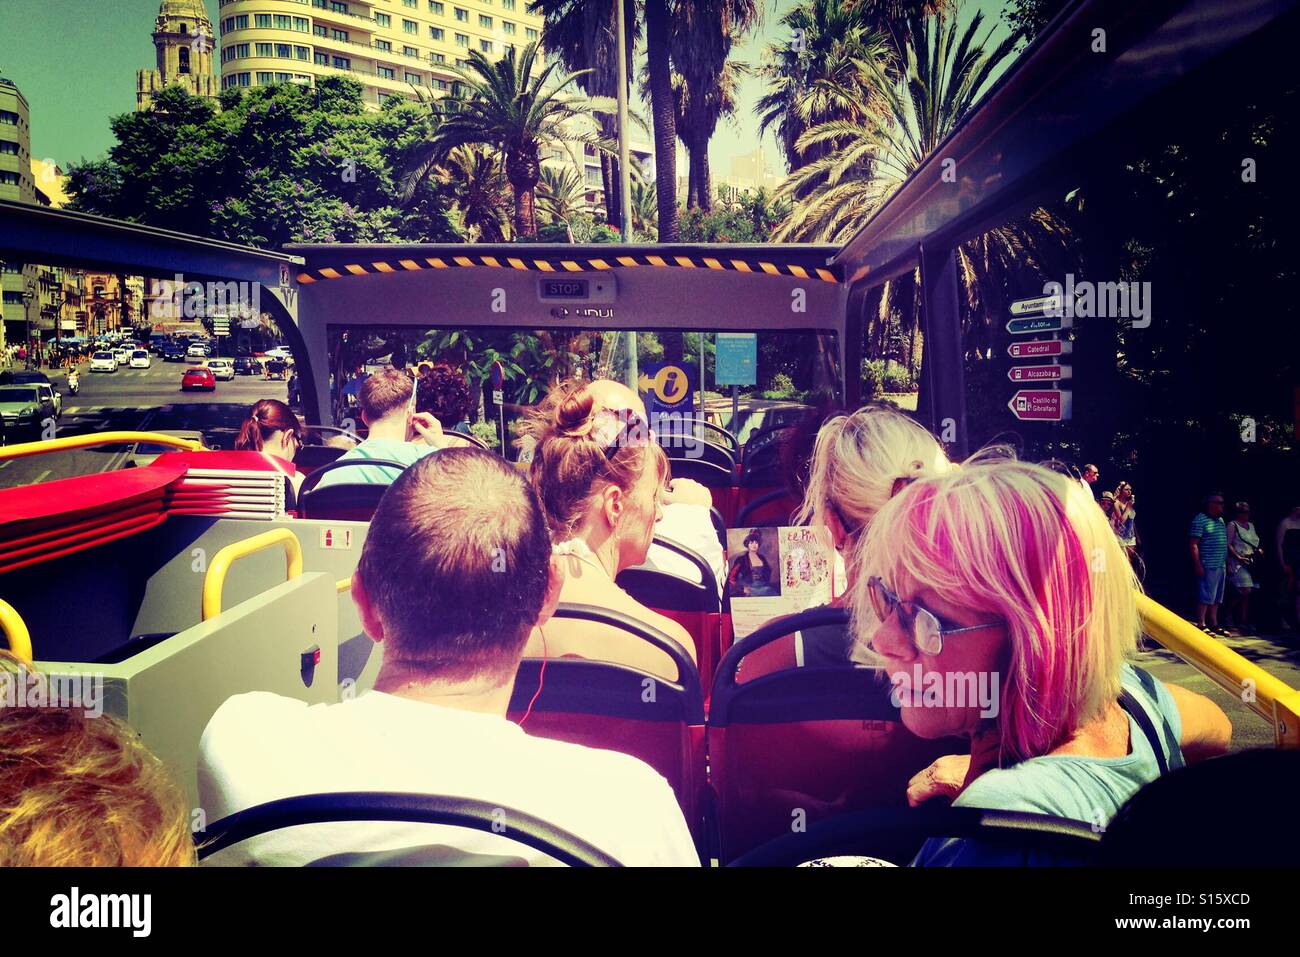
{"points": [[668, 387], [737, 358]]}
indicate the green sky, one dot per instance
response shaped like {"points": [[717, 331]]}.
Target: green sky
{"points": [[75, 61]]}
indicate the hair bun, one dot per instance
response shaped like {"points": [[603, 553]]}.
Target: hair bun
{"points": [[574, 411]]}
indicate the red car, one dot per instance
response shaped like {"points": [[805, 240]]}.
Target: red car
{"points": [[198, 378]]}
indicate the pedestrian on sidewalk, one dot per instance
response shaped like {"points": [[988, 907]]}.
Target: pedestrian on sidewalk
{"points": [[1209, 545], [1243, 554]]}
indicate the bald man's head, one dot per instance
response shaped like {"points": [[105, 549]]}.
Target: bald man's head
{"points": [[609, 394]]}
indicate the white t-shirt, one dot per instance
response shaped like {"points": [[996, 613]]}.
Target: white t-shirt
{"points": [[259, 747], [691, 527]]}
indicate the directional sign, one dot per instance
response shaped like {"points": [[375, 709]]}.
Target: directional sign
{"points": [[1039, 305], [667, 388], [1039, 347], [1019, 327], [1043, 373], [1041, 405]]}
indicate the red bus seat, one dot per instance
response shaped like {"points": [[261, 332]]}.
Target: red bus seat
{"points": [[605, 705], [792, 747]]}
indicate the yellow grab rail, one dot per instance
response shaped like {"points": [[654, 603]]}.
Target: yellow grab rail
{"points": [[215, 579], [1271, 698], [343, 584], [15, 630], [24, 449]]}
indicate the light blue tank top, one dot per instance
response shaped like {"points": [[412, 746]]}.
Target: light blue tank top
{"points": [[1090, 790]]}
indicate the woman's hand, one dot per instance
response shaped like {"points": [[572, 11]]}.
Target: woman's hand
{"points": [[942, 779], [687, 492]]}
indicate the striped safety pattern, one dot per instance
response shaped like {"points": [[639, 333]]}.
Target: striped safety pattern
{"points": [[569, 266]]}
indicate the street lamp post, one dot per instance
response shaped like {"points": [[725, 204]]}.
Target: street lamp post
{"points": [[28, 295]]}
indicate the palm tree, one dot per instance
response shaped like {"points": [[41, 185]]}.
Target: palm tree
{"points": [[658, 20], [944, 72], [704, 32], [645, 204], [561, 194], [479, 191], [584, 35], [822, 73], [505, 106]]}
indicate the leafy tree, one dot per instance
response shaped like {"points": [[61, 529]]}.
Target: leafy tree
{"points": [[751, 219], [277, 164]]}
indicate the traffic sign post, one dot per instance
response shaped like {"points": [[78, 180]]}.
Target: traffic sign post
{"points": [[1043, 373], [1041, 405], [1037, 306], [497, 379], [736, 364]]}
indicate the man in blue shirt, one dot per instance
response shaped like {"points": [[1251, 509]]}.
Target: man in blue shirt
{"points": [[1209, 542], [386, 409]]}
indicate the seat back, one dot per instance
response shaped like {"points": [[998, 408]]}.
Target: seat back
{"points": [[352, 501], [694, 605], [772, 508], [406, 808], [313, 457], [793, 746], [604, 705], [760, 463]]}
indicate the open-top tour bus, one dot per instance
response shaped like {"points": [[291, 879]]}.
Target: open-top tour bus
{"points": [[199, 577]]}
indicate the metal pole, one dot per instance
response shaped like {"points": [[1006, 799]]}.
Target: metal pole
{"points": [[624, 165], [702, 415]]}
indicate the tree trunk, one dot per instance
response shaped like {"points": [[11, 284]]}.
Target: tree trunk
{"points": [[704, 180], [692, 182], [611, 173], [663, 109], [524, 170]]}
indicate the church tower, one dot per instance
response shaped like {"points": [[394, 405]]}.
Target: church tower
{"points": [[185, 42]]}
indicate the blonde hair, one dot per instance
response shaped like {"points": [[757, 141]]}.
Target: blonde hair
{"points": [[78, 790], [859, 461], [1029, 546]]}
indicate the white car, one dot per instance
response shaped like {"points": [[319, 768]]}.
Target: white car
{"points": [[140, 359], [123, 356], [103, 362], [221, 368], [197, 351]]}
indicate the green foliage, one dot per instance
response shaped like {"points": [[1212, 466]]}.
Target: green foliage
{"points": [[782, 387], [486, 432], [279, 164], [885, 375], [752, 219]]}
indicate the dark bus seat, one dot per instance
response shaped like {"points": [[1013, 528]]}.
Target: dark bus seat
{"points": [[352, 502], [804, 744], [773, 508], [695, 606], [604, 705], [402, 807]]}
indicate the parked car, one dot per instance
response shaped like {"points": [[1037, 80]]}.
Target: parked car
{"points": [[141, 454], [173, 352], [223, 369], [103, 362], [247, 366], [50, 396], [198, 377], [24, 411], [140, 359]]}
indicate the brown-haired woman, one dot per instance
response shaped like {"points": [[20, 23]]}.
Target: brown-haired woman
{"points": [[272, 427], [600, 476]]}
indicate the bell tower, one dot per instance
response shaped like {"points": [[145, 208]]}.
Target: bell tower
{"points": [[185, 41]]}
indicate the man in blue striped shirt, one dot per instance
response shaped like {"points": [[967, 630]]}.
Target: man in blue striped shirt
{"points": [[1209, 541]]}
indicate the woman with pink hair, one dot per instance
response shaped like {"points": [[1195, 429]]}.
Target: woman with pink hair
{"points": [[1002, 606]]}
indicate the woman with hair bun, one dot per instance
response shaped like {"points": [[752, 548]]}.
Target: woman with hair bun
{"points": [[272, 428], [600, 475]]}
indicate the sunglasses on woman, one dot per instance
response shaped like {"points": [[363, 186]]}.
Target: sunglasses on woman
{"points": [[926, 629]]}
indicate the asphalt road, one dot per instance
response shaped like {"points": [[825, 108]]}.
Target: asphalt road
{"points": [[145, 399], [151, 399]]}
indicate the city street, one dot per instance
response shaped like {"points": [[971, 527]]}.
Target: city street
{"points": [[138, 399]]}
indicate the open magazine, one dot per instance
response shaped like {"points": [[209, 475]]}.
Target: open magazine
{"points": [[773, 572]]}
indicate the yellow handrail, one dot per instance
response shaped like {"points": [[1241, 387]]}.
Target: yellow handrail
{"points": [[215, 579], [1271, 698], [15, 630], [343, 584], [24, 449]]}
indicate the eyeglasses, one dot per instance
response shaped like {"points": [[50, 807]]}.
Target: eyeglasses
{"points": [[927, 630]]}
